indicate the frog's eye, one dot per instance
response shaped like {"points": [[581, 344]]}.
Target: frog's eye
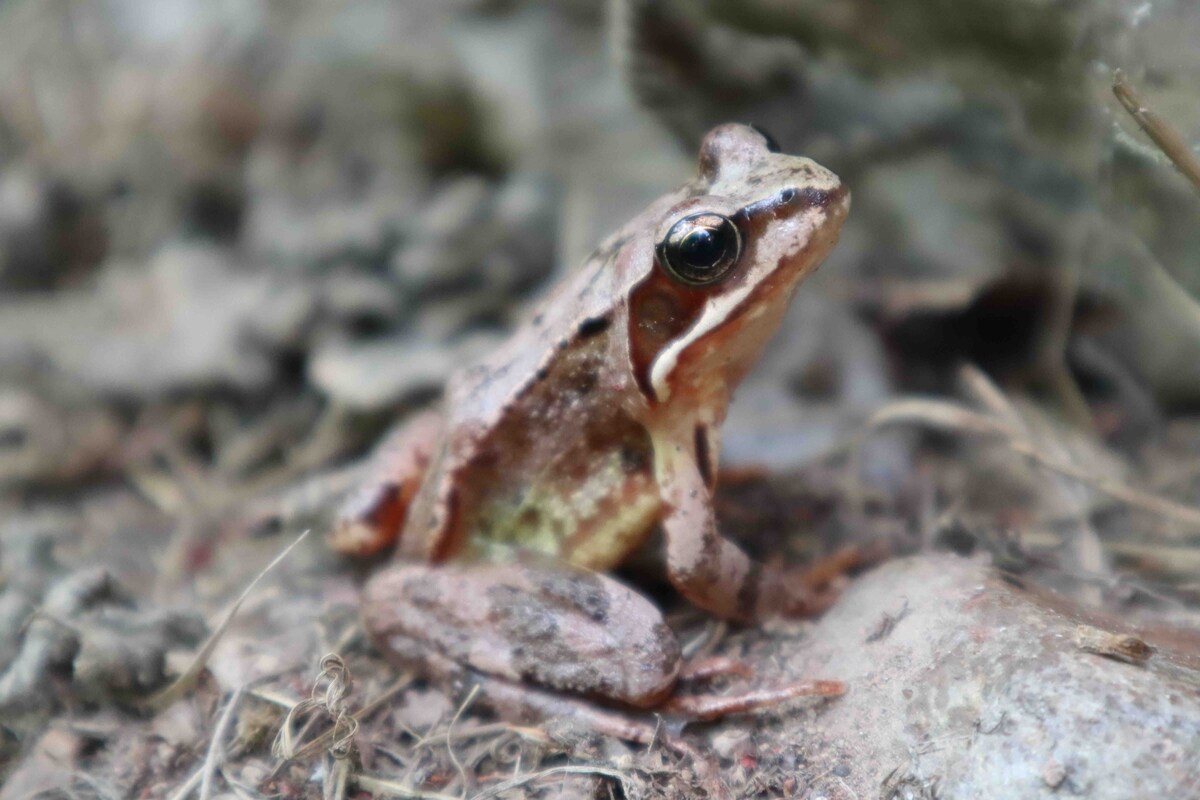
{"points": [[700, 249]]}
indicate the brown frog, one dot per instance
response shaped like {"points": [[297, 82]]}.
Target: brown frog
{"points": [[598, 421]]}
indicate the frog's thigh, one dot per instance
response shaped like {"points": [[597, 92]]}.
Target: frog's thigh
{"points": [[370, 519], [709, 570], [563, 628]]}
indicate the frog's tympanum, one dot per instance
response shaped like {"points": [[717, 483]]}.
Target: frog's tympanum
{"points": [[599, 420]]}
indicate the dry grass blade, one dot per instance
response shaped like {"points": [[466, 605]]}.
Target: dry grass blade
{"points": [[187, 680], [949, 416], [977, 386], [383, 787], [216, 750], [480, 731], [462, 772], [337, 781], [337, 680], [941, 414], [1083, 549], [1159, 130], [288, 751], [522, 780], [189, 785], [1181, 562]]}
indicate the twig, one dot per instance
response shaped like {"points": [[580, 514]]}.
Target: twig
{"points": [[1169, 140], [1183, 562], [950, 416], [489, 729], [1176, 149]]}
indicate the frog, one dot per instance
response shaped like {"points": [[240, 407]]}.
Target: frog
{"points": [[555, 458]]}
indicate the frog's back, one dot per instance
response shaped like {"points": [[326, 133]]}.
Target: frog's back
{"points": [[542, 453]]}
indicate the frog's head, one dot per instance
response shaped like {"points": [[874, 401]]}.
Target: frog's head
{"points": [[752, 226]]}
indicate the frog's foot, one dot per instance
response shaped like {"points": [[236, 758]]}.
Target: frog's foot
{"points": [[370, 520]]}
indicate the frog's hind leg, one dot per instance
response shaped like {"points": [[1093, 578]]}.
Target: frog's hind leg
{"points": [[708, 569], [370, 519], [561, 627]]}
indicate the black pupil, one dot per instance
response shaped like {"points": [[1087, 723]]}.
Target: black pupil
{"points": [[703, 247]]}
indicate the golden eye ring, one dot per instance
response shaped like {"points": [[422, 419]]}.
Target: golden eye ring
{"points": [[700, 249]]}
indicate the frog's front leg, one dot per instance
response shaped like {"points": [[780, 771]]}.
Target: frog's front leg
{"points": [[708, 569], [371, 518]]}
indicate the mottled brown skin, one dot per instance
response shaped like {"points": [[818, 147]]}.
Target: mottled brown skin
{"points": [[596, 422], [578, 631]]}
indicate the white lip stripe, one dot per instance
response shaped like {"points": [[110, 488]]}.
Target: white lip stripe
{"points": [[714, 313]]}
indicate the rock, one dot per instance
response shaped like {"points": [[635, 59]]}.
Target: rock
{"points": [[978, 687]]}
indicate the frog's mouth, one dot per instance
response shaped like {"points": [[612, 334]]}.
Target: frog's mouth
{"points": [[736, 323]]}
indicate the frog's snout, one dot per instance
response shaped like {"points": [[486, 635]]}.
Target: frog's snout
{"points": [[837, 198]]}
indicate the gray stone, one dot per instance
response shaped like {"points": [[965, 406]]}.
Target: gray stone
{"points": [[978, 688]]}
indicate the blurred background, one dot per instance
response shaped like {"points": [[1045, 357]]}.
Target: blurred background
{"points": [[239, 240]]}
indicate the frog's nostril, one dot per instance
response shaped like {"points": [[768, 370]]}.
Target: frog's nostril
{"points": [[787, 195]]}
